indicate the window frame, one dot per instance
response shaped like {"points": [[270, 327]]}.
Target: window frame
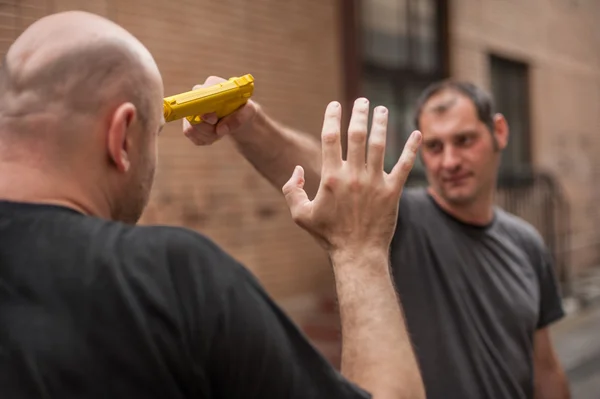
{"points": [[520, 174], [356, 67]]}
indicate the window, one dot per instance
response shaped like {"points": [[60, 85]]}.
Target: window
{"points": [[401, 48], [510, 89]]}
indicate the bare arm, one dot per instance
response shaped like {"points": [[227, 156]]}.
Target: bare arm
{"points": [[354, 216], [376, 349], [273, 149], [550, 379]]}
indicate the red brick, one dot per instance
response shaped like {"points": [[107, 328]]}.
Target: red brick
{"points": [[293, 49]]}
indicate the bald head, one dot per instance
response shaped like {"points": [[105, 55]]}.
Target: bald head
{"points": [[80, 108], [74, 64]]}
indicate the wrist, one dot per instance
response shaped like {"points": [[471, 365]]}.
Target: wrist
{"points": [[253, 128], [376, 254]]}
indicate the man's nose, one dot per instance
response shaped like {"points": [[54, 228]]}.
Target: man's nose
{"points": [[451, 159]]}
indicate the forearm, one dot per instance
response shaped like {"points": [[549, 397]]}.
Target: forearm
{"points": [[550, 379], [552, 385], [376, 350], [274, 151]]}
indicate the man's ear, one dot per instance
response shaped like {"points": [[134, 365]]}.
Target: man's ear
{"points": [[501, 131], [119, 135]]}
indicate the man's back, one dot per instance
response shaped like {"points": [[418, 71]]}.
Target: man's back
{"points": [[91, 308], [473, 298], [88, 304]]}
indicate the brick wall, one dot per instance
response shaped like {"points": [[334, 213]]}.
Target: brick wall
{"points": [[292, 48], [560, 40]]}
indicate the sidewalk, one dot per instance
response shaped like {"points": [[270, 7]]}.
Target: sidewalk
{"points": [[577, 342]]}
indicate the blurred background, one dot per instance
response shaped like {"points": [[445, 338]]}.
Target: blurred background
{"points": [[539, 58]]}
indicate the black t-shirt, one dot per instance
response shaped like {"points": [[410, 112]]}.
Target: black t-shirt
{"points": [[97, 309], [473, 298]]}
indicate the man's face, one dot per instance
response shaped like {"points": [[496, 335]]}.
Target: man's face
{"points": [[460, 154]]}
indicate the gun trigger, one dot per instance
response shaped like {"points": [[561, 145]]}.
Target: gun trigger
{"points": [[194, 120]]}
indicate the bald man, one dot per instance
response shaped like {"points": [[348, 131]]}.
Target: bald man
{"points": [[92, 306]]}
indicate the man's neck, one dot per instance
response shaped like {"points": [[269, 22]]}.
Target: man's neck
{"points": [[479, 212], [24, 183]]}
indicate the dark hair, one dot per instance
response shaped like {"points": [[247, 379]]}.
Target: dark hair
{"points": [[484, 105]]}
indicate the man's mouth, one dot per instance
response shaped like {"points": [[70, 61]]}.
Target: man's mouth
{"points": [[456, 179]]}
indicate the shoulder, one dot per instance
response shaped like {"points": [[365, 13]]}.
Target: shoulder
{"points": [[413, 195], [520, 230], [525, 236], [417, 208], [414, 216], [177, 246], [164, 252], [172, 240], [413, 199]]}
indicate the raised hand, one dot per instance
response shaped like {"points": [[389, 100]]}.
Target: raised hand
{"points": [[357, 202]]}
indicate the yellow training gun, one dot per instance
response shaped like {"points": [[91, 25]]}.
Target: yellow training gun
{"points": [[221, 99]]}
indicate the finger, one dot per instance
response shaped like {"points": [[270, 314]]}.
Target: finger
{"points": [[377, 139], [211, 80], [237, 119], [190, 134], [357, 134], [405, 163], [211, 118], [200, 138], [331, 144], [201, 134], [295, 196], [200, 128]]}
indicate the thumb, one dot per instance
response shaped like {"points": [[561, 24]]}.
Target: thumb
{"points": [[295, 196], [237, 119], [403, 167]]}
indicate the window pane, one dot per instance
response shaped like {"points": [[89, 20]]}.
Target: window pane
{"points": [[511, 96], [380, 91], [424, 35], [408, 94], [385, 31], [400, 102]]}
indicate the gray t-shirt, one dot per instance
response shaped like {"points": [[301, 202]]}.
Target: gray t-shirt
{"points": [[473, 297]]}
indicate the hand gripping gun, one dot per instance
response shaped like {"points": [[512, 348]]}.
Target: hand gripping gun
{"points": [[222, 99]]}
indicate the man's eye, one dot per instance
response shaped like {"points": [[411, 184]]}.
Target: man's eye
{"points": [[465, 140], [433, 146]]}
